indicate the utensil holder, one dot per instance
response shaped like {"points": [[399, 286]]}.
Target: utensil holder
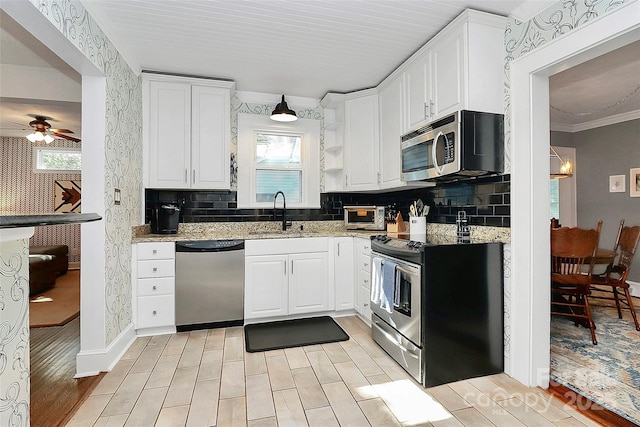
{"points": [[418, 228]]}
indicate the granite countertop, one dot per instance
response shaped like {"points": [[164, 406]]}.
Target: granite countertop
{"points": [[437, 233], [34, 220]]}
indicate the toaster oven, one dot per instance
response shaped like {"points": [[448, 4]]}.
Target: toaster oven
{"points": [[364, 217]]}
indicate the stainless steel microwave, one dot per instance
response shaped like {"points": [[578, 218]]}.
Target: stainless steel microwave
{"points": [[364, 217], [463, 144]]}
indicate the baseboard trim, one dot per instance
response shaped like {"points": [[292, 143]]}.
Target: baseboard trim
{"points": [[90, 363], [634, 288]]}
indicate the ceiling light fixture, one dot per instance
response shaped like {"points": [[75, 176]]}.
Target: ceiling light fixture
{"points": [[39, 136], [560, 168], [282, 113]]}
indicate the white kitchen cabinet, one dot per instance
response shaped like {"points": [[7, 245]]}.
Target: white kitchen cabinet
{"points": [[460, 68], [363, 279], [187, 132], [286, 277], [266, 286], [391, 108], [154, 287], [361, 141], [344, 273], [308, 283]]}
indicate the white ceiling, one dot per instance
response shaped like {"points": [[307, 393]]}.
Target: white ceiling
{"points": [[306, 48]]}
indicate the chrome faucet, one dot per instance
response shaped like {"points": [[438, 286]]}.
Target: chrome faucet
{"points": [[285, 223]]}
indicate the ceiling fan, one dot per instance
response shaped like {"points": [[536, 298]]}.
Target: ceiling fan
{"points": [[41, 129]]}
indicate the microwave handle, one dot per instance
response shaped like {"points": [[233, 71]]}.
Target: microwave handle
{"points": [[436, 166]]}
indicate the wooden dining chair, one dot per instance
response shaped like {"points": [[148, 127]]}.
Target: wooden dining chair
{"points": [[613, 284], [571, 247]]}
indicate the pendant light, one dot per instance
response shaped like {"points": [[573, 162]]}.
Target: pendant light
{"points": [[560, 168], [282, 113]]}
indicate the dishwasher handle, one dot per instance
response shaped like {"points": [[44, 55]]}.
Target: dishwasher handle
{"points": [[209, 245]]}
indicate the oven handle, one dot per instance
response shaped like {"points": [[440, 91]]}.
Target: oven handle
{"points": [[395, 341], [413, 273]]}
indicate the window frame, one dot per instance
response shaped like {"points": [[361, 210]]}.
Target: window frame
{"points": [[40, 149], [249, 125]]}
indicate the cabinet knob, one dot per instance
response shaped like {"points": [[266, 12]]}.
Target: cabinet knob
{"points": [[154, 287], [366, 304], [366, 280], [155, 251], [366, 248], [155, 269], [154, 312], [366, 264]]}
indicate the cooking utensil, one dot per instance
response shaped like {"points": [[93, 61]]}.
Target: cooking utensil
{"points": [[412, 210]]}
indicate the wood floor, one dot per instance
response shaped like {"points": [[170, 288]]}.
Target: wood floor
{"points": [[205, 378], [54, 392]]}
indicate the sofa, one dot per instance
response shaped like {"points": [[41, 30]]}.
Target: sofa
{"points": [[46, 264]]}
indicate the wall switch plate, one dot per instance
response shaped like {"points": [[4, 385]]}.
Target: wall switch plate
{"points": [[116, 196]]}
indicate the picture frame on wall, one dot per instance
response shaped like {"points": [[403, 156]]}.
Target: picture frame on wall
{"points": [[616, 184], [634, 182]]}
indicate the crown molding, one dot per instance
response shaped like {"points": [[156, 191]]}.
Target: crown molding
{"points": [[606, 121]]}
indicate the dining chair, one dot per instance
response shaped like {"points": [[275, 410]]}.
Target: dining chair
{"points": [[571, 247], [613, 283]]}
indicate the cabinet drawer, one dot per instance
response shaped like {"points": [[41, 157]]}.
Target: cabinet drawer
{"points": [[156, 268], [156, 286], [156, 311], [156, 250], [365, 262], [365, 279]]}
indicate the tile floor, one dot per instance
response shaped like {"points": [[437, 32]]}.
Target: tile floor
{"points": [[205, 378]]}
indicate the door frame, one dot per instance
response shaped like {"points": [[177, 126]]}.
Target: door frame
{"points": [[530, 329]]}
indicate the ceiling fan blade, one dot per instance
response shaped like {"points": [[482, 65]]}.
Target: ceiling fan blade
{"points": [[60, 135], [62, 130]]}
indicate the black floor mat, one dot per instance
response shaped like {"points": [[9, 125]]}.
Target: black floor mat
{"points": [[292, 333]]}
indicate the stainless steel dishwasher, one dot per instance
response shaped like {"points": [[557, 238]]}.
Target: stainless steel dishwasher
{"points": [[209, 284]]}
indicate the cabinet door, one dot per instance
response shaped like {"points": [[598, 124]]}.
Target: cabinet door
{"points": [[210, 138], [446, 74], [308, 283], [418, 90], [169, 134], [391, 101], [344, 277], [265, 286], [361, 143]]}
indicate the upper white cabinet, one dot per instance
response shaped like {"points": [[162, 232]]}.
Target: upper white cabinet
{"points": [[391, 108], [361, 136], [460, 68], [187, 132]]}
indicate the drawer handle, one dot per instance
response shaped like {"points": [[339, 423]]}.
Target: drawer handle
{"points": [[154, 287], [154, 312], [155, 251], [155, 269], [366, 264], [366, 304], [366, 280]]}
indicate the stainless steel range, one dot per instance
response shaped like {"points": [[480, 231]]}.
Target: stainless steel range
{"points": [[438, 308], [396, 300]]}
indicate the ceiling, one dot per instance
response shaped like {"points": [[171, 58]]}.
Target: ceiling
{"points": [[301, 48]]}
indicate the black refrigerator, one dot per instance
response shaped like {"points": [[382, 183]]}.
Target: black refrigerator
{"points": [[462, 312]]}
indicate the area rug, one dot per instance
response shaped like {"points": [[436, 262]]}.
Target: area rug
{"points": [[292, 333], [607, 373], [58, 305]]}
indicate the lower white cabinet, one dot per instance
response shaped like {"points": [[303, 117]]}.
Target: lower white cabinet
{"points": [[343, 273], [363, 278], [286, 276], [154, 287]]}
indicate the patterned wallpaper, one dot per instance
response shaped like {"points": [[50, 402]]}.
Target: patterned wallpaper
{"points": [[237, 106], [123, 152], [24, 191]]}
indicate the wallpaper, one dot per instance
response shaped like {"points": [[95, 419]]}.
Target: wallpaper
{"points": [[24, 191], [123, 152], [237, 106]]}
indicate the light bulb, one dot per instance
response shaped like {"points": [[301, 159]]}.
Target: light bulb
{"points": [[31, 137]]}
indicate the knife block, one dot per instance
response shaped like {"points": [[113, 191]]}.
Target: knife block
{"points": [[398, 227]]}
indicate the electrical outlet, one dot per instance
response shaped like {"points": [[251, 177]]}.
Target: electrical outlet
{"points": [[75, 251], [116, 196]]}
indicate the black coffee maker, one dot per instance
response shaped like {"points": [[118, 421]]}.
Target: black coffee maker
{"points": [[164, 218]]}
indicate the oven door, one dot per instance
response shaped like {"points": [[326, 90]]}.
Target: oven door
{"points": [[403, 314]]}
